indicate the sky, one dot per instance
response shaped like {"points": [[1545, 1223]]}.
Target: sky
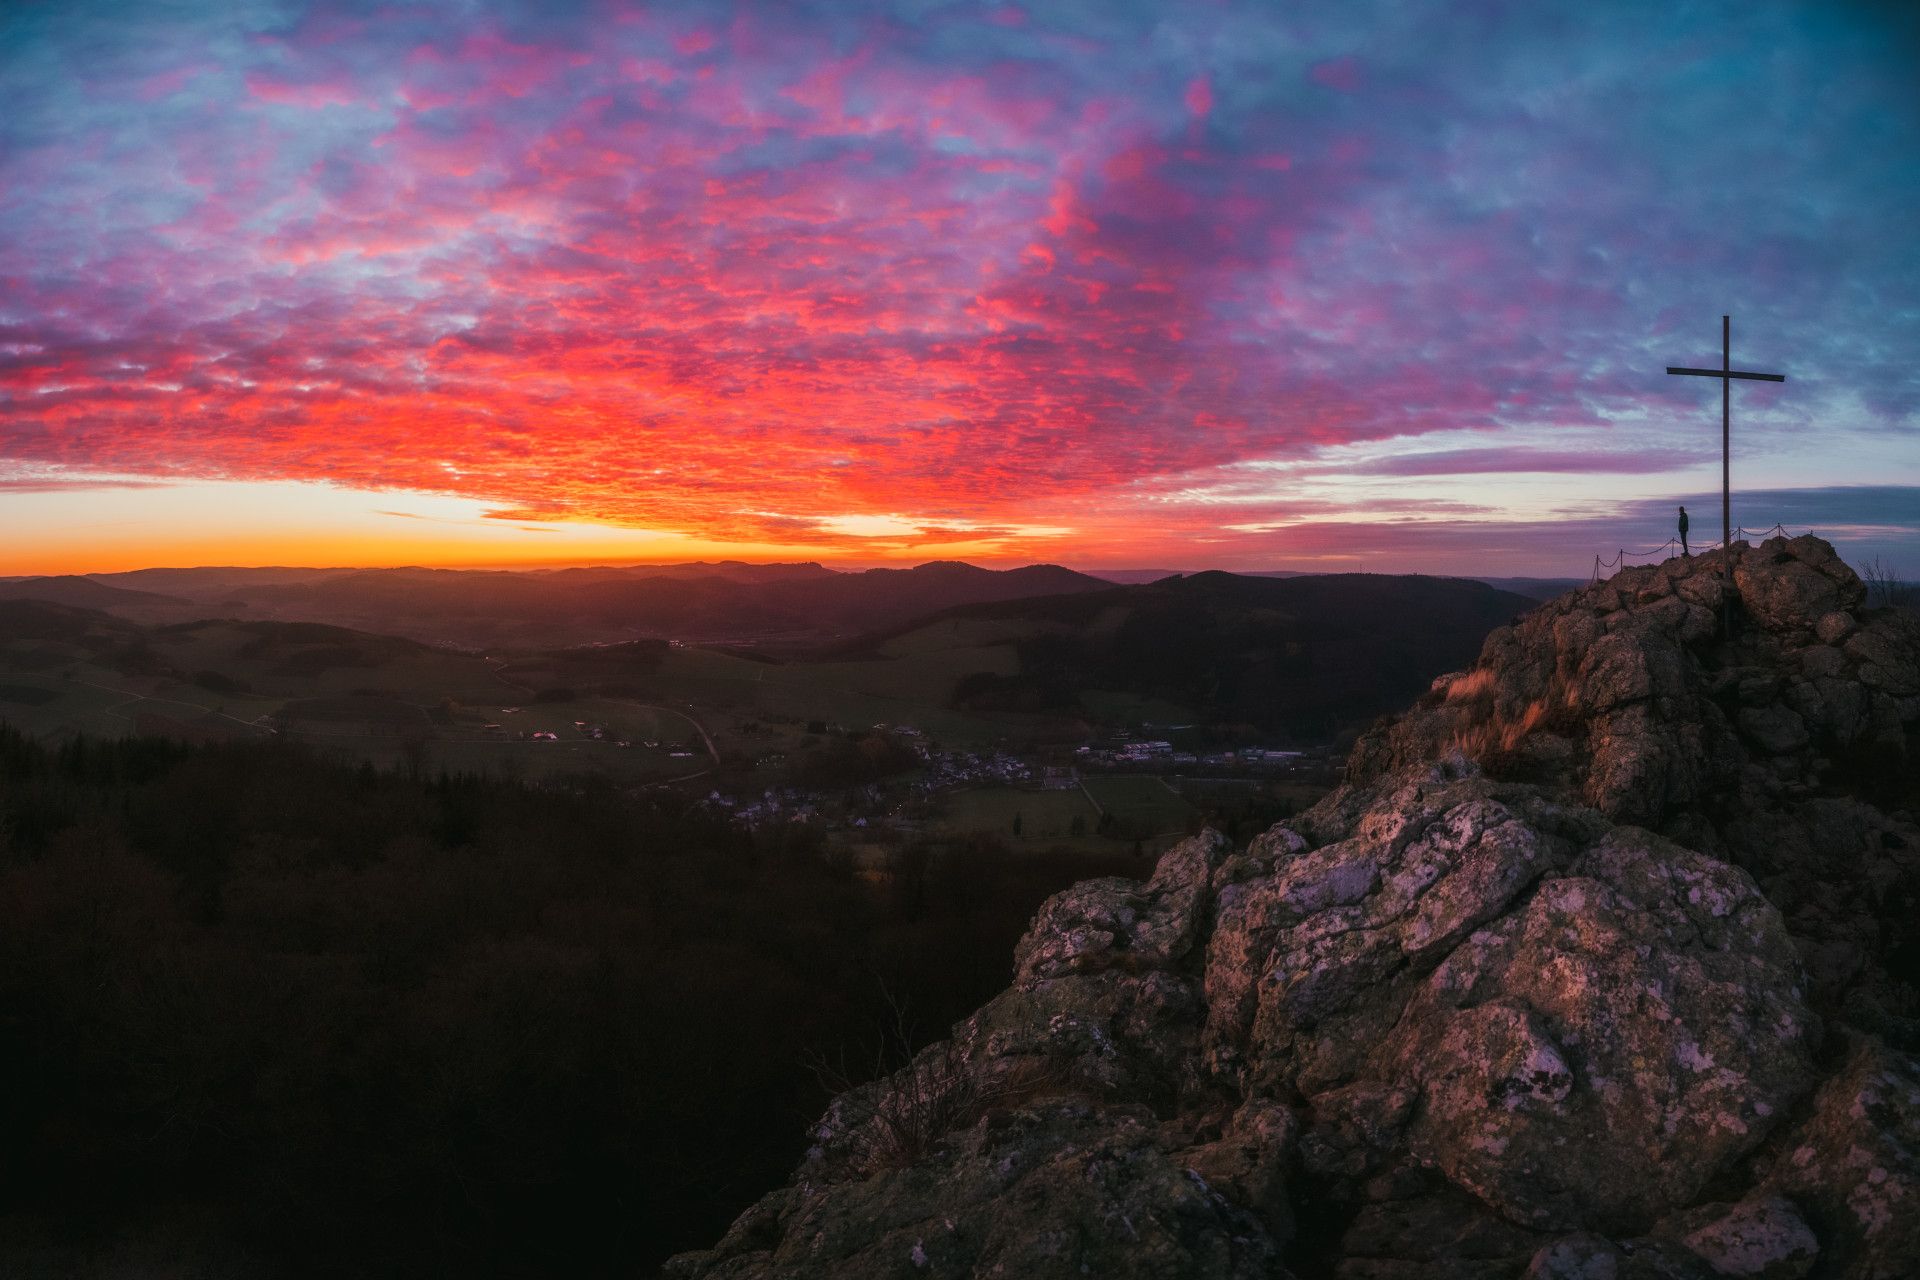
{"points": [[1348, 286]]}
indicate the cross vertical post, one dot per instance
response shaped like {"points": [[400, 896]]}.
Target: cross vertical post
{"points": [[1727, 373], [1727, 430]]}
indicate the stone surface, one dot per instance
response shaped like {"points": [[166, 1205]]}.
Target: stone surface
{"points": [[1764, 1237], [1586, 1256], [1854, 1166], [1597, 968], [1056, 1190]]}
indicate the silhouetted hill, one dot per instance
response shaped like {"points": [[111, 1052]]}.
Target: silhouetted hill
{"points": [[36, 619], [211, 581], [731, 570], [1312, 656], [1536, 588], [80, 592]]}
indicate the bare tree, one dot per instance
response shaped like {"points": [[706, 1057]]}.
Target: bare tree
{"points": [[1885, 587]]}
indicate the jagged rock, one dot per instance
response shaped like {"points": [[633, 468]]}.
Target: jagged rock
{"points": [[1854, 1166], [1433, 1230], [1796, 583], [1122, 924], [1250, 1162], [1588, 1058], [1763, 1236], [1307, 969], [1544, 989], [1055, 1190], [1353, 1134], [1586, 1256], [1603, 1053]]}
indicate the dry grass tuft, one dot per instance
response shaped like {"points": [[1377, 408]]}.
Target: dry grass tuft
{"points": [[1470, 686]]}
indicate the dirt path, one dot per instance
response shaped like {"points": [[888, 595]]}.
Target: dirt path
{"points": [[698, 728], [132, 697]]}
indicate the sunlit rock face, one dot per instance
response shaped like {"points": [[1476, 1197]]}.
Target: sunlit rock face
{"points": [[1598, 966], [1747, 705]]}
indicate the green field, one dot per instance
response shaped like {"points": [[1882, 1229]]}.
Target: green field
{"points": [[1044, 815], [1145, 811], [1140, 805]]}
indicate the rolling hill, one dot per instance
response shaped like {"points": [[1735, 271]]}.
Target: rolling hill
{"points": [[1313, 657], [80, 592]]}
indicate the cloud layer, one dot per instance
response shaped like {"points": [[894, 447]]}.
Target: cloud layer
{"points": [[1050, 277]]}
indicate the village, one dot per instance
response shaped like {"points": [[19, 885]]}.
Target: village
{"points": [[1123, 786]]}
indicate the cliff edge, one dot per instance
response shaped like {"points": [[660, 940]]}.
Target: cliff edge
{"points": [[1601, 965]]}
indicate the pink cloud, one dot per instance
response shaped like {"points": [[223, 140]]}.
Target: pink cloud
{"points": [[1199, 97], [1342, 74], [311, 95]]}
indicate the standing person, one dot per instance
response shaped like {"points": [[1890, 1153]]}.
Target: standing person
{"points": [[1683, 534]]}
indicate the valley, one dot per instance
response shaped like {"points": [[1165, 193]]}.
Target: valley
{"points": [[1047, 721]]}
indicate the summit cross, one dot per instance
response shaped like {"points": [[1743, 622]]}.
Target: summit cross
{"points": [[1727, 373]]}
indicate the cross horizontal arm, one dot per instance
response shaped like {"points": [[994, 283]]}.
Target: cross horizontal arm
{"points": [[1729, 373]]}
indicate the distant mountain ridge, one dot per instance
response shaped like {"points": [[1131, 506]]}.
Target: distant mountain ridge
{"points": [[725, 601]]}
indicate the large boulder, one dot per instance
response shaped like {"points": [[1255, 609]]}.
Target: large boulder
{"points": [[1595, 1021], [1854, 1166]]}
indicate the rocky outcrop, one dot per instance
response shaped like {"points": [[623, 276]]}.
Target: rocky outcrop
{"points": [[1520, 999], [1745, 704]]}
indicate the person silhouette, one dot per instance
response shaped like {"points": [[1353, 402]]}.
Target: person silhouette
{"points": [[1683, 534]]}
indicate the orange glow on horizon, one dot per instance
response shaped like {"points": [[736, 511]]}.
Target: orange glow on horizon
{"points": [[69, 528]]}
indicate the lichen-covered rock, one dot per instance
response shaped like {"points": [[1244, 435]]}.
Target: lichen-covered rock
{"points": [[1600, 1055], [1308, 968], [1853, 1167], [1763, 1237], [1596, 1021], [1122, 924], [1796, 583], [1057, 1190], [1250, 1162], [1586, 1256]]}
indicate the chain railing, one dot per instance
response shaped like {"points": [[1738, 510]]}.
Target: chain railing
{"points": [[1606, 568]]}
